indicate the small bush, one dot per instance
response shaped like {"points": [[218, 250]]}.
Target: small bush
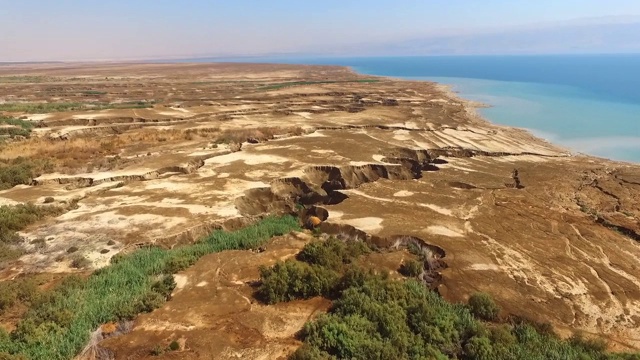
{"points": [[483, 306], [49, 200], [479, 348], [332, 253], [6, 356], [291, 280], [411, 268], [80, 262], [157, 350], [104, 251], [174, 346], [20, 171], [589, 345], [72, 249], [165, 286], [18, 217], [179, 263], [19, 127]]}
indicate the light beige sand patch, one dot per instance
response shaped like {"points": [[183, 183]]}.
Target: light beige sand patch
{"points": [[367, 224], [443, 230], [403, 193]]}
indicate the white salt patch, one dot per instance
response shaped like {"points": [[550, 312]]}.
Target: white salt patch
{"points": [[247, 158], [402, 135], [227, 211], [438, 209], [181, 281], [367, 224], [484, 267], [202, 284], [403, 193], [359, 163], [316, 134], [8, 202], [38, 117], [443, 230]]}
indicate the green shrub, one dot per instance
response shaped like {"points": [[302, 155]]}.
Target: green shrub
{"points": [[9, 252], [180, 263], [7, 298], [80, 262], [21, 171], [165, 286], [291, 280], [589, 345], [174, 346], [19, 127], [483, 306], [411, 268], [157, 350], [479, 348], [376, 317], [332, 253], [17, 217], [6, 356]]}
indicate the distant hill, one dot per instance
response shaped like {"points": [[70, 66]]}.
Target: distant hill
{"points": [[592, 36]]}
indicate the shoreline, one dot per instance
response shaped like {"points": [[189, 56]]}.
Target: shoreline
{"points": [[471, 109]]}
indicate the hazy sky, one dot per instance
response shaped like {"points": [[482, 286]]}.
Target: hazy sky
{"points": [[117, 29]]}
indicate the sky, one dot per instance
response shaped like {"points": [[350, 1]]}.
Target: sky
{"points": [[45, 30]]}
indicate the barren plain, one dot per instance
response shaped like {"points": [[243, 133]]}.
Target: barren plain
{"points": [[161, 154]]}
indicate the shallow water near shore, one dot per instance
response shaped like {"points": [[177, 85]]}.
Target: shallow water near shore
{"points": [[587, 103], [559, 114]]}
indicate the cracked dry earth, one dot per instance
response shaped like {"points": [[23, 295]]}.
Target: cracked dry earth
{"points": [[389, 158]]}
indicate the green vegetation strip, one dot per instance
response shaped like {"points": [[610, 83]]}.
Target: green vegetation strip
{"points": [[300, 83], [375, 317], [21, 171], [22, 79], [59, 325], [15, 127], [37, 108]]}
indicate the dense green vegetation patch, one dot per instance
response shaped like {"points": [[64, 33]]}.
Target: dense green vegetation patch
{"points": [[14, 219], [375, 317], [300, 83], [59, 324], [37, 108], [15, 127], [318, 271], [21, 171]]}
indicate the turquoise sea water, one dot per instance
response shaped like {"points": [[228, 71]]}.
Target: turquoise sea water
{"points": [[588, 103]]}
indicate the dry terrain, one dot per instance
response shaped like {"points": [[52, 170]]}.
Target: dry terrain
{"points": [[163, 153]]}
